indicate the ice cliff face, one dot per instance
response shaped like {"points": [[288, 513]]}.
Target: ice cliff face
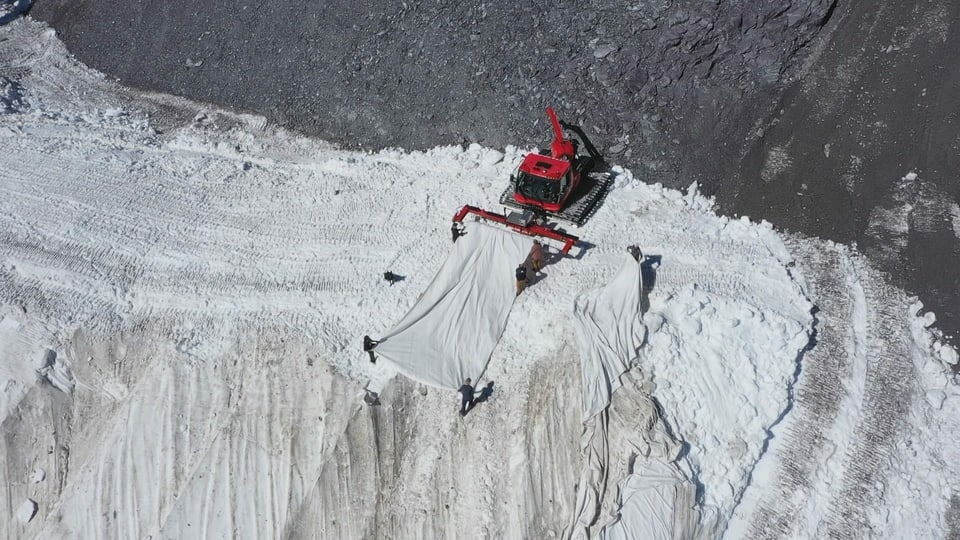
{"points": [[413, 468]]}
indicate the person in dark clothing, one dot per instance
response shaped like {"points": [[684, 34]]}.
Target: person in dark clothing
{"points": [[635, 251], [369, 345], [466, 397], [371, 398], [456, 230], [521, 278]]}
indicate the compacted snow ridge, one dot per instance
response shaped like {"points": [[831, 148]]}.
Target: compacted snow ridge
{"points": [[829, 469], [887, 386], [183, 293], [819, 395]]}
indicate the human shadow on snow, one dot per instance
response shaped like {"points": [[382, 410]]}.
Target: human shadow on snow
{"points": [[484, 394], [648, 272]]}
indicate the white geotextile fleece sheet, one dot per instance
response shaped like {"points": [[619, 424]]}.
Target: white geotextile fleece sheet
{"points": [[655, 502], [610, 329], [451, 331]]}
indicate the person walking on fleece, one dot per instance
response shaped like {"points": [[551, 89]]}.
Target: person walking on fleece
{"points": [[536, 256], [369, 345], [521, 278], [466, 397]]}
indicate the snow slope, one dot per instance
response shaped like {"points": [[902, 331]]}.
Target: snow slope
{"points": [[183, 291]]}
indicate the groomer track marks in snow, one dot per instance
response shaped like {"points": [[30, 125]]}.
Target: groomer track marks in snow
{"points": [[818, 398], [889, 384]]}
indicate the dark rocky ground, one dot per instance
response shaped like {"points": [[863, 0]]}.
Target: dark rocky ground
{"points": [[808, 113]]}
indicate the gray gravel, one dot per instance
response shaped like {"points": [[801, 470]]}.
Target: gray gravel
{"points": [[418, 74], [807, 113]]}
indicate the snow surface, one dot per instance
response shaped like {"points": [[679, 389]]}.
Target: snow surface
{"points": [[183, 292]]}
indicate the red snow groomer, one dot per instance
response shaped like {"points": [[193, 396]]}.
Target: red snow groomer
{"points": [[557, 183]]}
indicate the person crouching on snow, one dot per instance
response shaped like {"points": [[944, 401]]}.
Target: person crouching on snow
{"points": [[369, 345], [457, 230]]}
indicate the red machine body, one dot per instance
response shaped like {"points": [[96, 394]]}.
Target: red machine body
{"points": [[561, 147], [554, 184], [547, 181]]}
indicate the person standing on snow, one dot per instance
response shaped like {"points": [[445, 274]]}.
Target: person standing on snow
{"points": [[369, 345], [521, 274], [466, 397], [536, 255]]}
